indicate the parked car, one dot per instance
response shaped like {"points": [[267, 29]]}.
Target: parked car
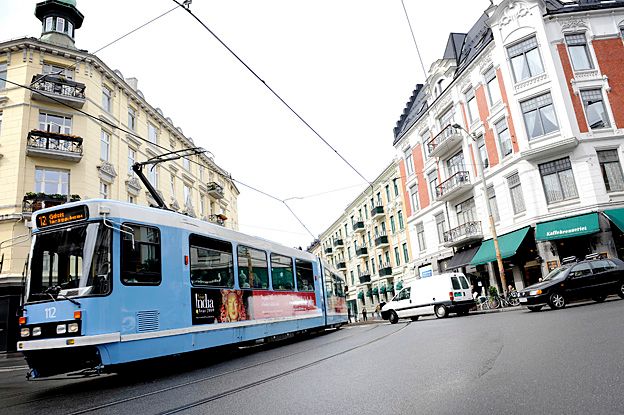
{"points": [[581, 280], [440, 295]]}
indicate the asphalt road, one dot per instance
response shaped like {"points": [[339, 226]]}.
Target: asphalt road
{"points": [[569, 361]]}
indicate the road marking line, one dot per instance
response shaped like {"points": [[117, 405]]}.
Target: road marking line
{"points": [[12, 368]]}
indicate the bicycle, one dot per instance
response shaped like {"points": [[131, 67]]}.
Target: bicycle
{"points": [[488, 303], [511, 300]]}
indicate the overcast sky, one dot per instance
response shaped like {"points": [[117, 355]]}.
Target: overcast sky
{"points": [[347, 67]]}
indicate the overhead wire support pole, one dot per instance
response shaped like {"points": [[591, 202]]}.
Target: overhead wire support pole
{"points": [[173, 155]]}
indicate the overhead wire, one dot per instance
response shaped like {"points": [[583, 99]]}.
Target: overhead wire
{"points": [[409, 23], [273, 91]]}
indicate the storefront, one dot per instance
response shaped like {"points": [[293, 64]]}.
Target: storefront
{"points": [[616, 216], [576, 236]]}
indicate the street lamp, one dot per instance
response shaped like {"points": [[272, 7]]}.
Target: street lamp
{"points": [[499, 258]]}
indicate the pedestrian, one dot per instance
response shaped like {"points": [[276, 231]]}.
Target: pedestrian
{"points": [[364, 314], [377, 311], [349, 314]]}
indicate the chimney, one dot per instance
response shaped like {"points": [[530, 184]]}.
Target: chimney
{"points": [[133, 82]]}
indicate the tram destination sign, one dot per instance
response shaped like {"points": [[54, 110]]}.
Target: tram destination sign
{"points": [[62, 216]]}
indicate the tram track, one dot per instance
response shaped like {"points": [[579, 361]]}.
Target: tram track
{"points": [[241, 388], [173, 387]]}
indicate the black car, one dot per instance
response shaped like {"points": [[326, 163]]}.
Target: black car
{"points": [[593, 279]]}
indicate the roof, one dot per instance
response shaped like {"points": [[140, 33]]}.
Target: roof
{"points": [[463, 48], [554, 7]]}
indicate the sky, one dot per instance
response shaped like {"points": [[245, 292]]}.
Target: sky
{"points": [[348, 67]]}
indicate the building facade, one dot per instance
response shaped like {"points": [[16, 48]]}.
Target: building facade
{"points": [[75, 133], [534, 92], [369, 243]]}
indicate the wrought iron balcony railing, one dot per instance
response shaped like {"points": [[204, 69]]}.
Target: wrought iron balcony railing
{"points": [[55, 87], [54, 145], [456, 181], [463, 233], [338, 243], [446, 139], [361, 252], [215, 190], [381, 241], [385, 269], [365, 277]]}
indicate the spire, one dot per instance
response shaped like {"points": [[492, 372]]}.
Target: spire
{"points": [[60, 19]]}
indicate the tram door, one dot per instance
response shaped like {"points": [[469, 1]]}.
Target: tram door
{"points": [[141, 279]]}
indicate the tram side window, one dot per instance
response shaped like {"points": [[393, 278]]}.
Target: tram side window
{"points": [[305, 275], [329, 286], [253, 271], [282, 272], [212, 262], [140, 264]]}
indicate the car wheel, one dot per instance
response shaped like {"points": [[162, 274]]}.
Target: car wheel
{"points": [[621, 290], [556, 301], [600, 298], [535, 307], [414, 318], [394, 318], [441, 311]]}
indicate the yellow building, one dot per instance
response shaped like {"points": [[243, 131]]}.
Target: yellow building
{"points": [[72, 135]]}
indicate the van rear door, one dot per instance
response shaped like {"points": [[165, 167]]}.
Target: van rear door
{"points": [[461, 288]]}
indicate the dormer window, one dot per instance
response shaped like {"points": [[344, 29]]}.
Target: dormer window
{"points": [[439, 88], [58, 24]]}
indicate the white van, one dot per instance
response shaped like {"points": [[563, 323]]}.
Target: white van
{"points": [[440, 295]]}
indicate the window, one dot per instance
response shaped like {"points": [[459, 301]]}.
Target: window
{"points": [[49, 68], [152, 133], [49, 22], [396, 187], [305, 275], [282, 272], [525, 59], [401, 224], [201, 173], [186, 163], [595, 109], [152, 175], [441, 225], [409, 162], [172, 185], [493, 89], [388, 193], [483, 152], [432, 177], [55, 123], [471, 103], [456, 164], [188, 195], [253, 268], [107, 98], [515, 189], [581, 270], [60, 24], [70, 29], [397, 257], [504, 138], [558, 180], [578, 51], [352, 278], [446, 118], [414, 198], [212, 262], [104, 190], [349, 253], [539, 116], [132, 118], [105, 142], [404, 294], [387, 255], [3, 75], [405, 253], [466, 211], [491, 195], [424, 138], [611, 170], [51, 181], [131, 199], [140, 255], [131, 160], [603, 265], [392, 226]]}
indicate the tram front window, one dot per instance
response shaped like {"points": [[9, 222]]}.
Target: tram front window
{"points": [[72, 262]]}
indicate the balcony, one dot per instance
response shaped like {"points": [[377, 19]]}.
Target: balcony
{"points": [[377, 212], [365, 277], [55, 88], [361, 252], [54, 145], [456, 185], [447, 140], [342, 266], [381, 241], [217, 219], [463, 234], [215, 190], [358, 226], [385, 270], [329, 251], [33, 202], [338, 243]]}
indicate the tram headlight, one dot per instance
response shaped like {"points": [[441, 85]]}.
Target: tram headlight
{"points": [[36, 331], [25, 332], [72, 328], [61, 329]]}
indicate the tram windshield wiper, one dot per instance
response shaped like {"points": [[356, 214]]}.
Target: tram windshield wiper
{"points": [[54, 291]]}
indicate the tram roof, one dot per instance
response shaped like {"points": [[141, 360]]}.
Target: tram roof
{"points": [[98, 208]]}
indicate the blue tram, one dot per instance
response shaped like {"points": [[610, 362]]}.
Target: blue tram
{"points": [[111, 283]]}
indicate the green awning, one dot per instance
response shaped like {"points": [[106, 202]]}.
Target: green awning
{"points": [[568, 227], [616, 216], [508, 245]]}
